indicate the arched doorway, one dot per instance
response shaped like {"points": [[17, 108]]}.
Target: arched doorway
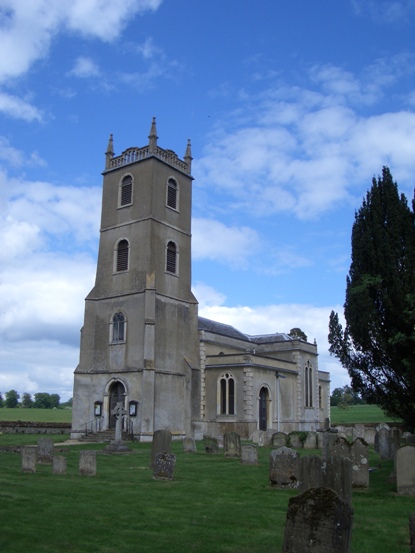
{"points": [[263, 408], [116, 394]]}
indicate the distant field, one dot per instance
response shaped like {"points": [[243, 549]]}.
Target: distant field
{"points": [[36, 415], [359, 413]]}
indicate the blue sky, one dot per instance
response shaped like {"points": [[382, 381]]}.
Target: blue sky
{"points": [[291, 108]]}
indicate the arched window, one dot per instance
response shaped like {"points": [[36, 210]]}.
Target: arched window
{"points": [[263, 408], [226, 395], [308, 384], [126, 192], [171, 258], [118, 324], [172, 193], [122, 256]]}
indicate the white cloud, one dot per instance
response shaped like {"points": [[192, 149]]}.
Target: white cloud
{"points": [[19, 109], [28, 28], [84, 68]]}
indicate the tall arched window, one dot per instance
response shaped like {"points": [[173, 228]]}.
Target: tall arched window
{"points": [[122, 255], [308, 384], [226, 395], [126, 192], [118, 327], [172, 193], [171, 258]]}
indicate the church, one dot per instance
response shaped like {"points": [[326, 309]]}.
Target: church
{"points": [[143, 345]]}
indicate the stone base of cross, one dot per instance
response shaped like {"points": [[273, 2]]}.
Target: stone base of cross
{"points": [[118, 411]]}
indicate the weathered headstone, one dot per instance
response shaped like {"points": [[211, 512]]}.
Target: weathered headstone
{"points": [[328, 439], [189, 445], [318, 521], [161, 444], [338, 477], [358, 431], [45, 451], [279, 439], [312, 472], [249, 454], [294, 440], [412, 532], [383, 442], [210, 444], [341, 447], [310, 441], [284, 468], [262, 437], [231, 444], [360, 463], [29, 459], [405, 469], [59, 464], [88, 462], [164, 464], [370, 434]]}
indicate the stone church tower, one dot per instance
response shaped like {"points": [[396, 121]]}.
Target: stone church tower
{"points": [[139, 342]]}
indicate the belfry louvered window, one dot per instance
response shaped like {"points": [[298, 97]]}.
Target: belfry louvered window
{"points": [[118, 327], [126, 190], [172, 193], [122, 255], [171, 258]]}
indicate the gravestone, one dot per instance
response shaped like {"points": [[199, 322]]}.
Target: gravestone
{"points": [[360, 463], [249, 454], [59, 464], [410, 439], [412, 532], [318, 521], [263, 437], [383, 443], [231, 444], [284, 468], [189, 445], [370, 434], [45, 451], [405, 469], [164, 464], [329, 436], [358, 431], [311, 441], [338, 477], [161, 444], [295, 441], [210, 444], [88, 462], [312, 472], [341, 448], [29, 459], [279, 439]]}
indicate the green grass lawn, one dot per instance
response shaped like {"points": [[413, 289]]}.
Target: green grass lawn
{"points": [[358, 414], [213, 505], [36, 415]]}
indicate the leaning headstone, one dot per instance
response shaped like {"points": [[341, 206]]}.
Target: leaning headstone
{"points": [[412, 531], [210, 444], [284, 468], [279, 439], [310, 441], [59, 464], [161, 443], [164, 464], [318, 521], [231, 444], [45, 451], [189, 445], [29, 459], [249, 454], [405, 469], [360, 463], [88, 462], [370, 434]]}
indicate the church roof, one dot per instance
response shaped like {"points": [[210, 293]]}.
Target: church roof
{"points": [[228, 330]]}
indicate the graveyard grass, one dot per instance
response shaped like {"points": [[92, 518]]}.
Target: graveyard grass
{"points": [[213, 505]]}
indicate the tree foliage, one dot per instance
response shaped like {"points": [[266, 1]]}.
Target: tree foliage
{"points": [[298, 334], [44, 400], [377, 346], [12, 399], [345, 396], [27, 401]]}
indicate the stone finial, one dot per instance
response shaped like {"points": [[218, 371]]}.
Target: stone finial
{"points": [[153, 136], [109, 154], [188, 156]]}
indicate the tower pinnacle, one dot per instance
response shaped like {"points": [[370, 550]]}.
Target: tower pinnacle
{"points": [[153, 136]]}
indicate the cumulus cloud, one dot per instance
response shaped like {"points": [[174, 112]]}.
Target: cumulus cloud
{"points": [[84, 68], [19, 109]]}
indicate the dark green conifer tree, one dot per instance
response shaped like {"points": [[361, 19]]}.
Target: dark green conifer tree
{"points": [[377, 346]]}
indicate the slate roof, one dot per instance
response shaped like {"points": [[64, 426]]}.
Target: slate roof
{"points": [[228, 330]]}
